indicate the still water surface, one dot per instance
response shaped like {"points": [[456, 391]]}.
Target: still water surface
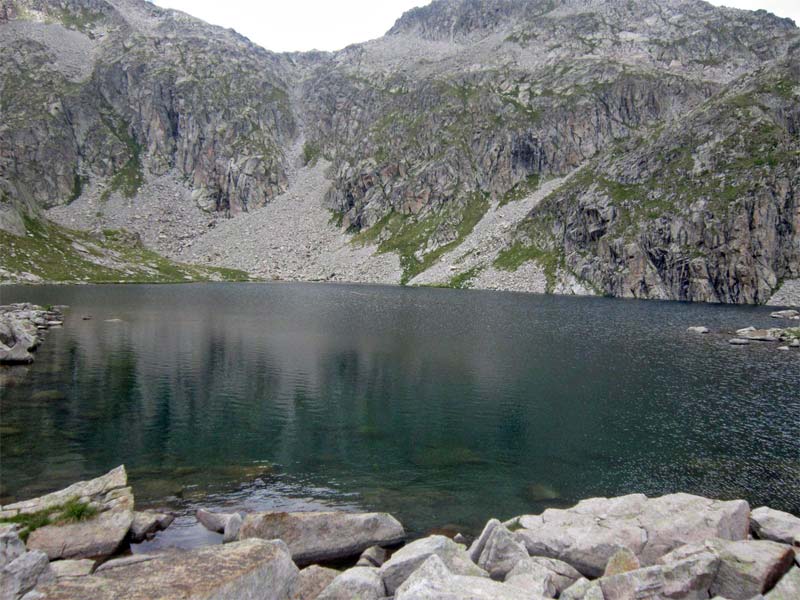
{"points": [[442, 407]]}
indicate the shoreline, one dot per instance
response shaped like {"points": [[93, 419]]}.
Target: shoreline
{"points": [[74, 543]]}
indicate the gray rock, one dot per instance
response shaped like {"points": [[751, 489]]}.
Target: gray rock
{"points": [[534, 577], [146, 523], [320, 536], [16, 355], [788, 588], [775, 525], [213, 521], [434, 581], [247, 570], [746, 567], [363, 583], [622, 561], [310, 582], [501, 552], [373, 556], [561, 574], [232, 526], [97, 537], [11, 546], [698, 329], [478, 544], [22, 574], [72, 568], [785, 314], [406, 560], [738, 342], [587, 535], [100, 490]]}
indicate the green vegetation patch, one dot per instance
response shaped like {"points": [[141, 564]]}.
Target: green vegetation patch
{"points": [[521, 190], [511, 258], [311, 153], [72, 511], [56, 253]]}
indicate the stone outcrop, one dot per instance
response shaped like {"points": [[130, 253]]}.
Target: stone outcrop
{"points": [[320, 536], [246, 570], [22, 327], [589, 534]]}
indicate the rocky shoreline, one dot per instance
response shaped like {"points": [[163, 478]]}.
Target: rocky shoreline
{"points": [[73, 544], [22, 330]]}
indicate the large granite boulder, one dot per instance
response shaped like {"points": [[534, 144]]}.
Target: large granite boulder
{"points": [[775, 525], [689, 579], [406, 560], [500, 552], [311, 581], [105, 492], [558, 573], [321, 536], [11, 546], [434, 581], [589, 534], [363, 583], [147, 523], [26, 571], [746, 567], [246, 570], [96, 537]]}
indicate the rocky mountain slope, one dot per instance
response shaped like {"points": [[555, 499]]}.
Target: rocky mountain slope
{"points": [[635, 148]]}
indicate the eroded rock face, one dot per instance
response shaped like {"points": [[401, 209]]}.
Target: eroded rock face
{"points": [[589, 534], [320, 536], [247, 570]]}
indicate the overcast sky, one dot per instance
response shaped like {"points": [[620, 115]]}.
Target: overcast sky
{"points": [[286, 25]]}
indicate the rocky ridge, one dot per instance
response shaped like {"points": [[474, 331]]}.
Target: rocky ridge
{"points": [[410, 147], [678, 546]]}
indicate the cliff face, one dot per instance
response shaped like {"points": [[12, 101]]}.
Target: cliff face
{"points": [[649, 108]]}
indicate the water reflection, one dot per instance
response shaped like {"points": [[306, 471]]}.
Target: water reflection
{"points": [[440, 406]]}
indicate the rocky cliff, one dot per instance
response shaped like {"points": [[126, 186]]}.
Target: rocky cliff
{"points": [[635, 148]]}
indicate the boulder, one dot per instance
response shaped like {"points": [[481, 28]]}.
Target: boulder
{"points": [[72, 568], [247, 570], [97, 537], [622, 561], [22, 574], [501, 552], [406, 560], [320, 536], [363, 583], [698, 329], [561, 574], [759, 335], [746, 567], [477, 546], [774, 525], [434, 581], [688, 579], [311, 581], [374, 556], [587, 535], [11, 546], [533, 577], [788, 588], [785, 314], [108, 491], [146, 523], [232, 527], [738, 342], [213, 521], [16, 355]]}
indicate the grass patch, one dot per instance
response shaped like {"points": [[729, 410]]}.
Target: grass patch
{"points": [[462, 280], [72, 511], [519, 253], [311, 153], [56, 253]]}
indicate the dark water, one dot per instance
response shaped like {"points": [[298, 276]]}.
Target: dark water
{"points": [[442, 407]]}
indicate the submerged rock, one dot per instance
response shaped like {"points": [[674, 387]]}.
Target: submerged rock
{"points": [[251, 569], [320, 536]]}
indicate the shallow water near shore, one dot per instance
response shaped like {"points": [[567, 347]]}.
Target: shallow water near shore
{"points": [[443, 407]]}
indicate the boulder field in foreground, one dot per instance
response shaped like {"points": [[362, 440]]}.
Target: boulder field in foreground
{"points": [[676, 547]]}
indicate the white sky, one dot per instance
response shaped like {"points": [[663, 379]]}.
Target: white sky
{"points": [[287, 25]]}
